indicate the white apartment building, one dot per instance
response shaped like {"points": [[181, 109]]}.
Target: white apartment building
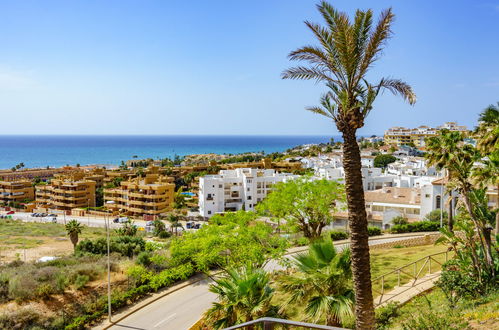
{"points": [[233, 190]]}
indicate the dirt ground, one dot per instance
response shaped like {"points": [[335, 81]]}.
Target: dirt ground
{"points": [[51, 247]]}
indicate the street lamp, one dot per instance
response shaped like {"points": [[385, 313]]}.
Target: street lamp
{"points": [[106, 220]]}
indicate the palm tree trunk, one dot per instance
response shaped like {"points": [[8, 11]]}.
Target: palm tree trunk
{"points": [[357, 218], [497, 212], [450, 219]]}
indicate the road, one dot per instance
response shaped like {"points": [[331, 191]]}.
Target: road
{"points": [[183, 308]]}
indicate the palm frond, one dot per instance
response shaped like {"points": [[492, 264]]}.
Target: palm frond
{"points": [[397, 86]]}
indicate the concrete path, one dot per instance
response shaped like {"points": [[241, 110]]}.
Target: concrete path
{"points": [[406, 292]]}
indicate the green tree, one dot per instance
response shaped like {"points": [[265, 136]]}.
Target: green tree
{"points": [[383, 160], [243, 295], [306, 205], [127, 229], [174, 220], [322, 282], [399, 220], [73, 229], [348, 49], [179, 199], [159, 227]]}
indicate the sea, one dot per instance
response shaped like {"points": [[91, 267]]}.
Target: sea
{"points": [[61, 150]]}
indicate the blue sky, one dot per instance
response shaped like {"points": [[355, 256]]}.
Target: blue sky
{"points": [[213, 67]]}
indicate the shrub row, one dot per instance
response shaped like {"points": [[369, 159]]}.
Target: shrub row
{"points": [[420, 226], [125, 245]]}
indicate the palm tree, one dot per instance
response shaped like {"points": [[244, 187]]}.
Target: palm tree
{"points": [[488, 144], [322, 282], [243, 295], [73, 229], [175, 221], [488, 129], [346, 53], [440, 150]]}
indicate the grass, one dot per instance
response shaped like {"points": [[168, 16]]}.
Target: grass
{"points": [[386, 260], [482, 313], [28, 235]]}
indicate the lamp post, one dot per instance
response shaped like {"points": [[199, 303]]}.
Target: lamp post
{"points": [[106, 220]]}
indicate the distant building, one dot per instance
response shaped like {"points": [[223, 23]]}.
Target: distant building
{"points": [[16, 191], [233, 190], [151, 195], [66, 192], [407, 136]]}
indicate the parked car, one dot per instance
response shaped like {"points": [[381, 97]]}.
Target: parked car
{"points": [[51, 219], [116, 220], [33, 214], [52, 215], [197, 226], [11, 212], [189, 225], [123, 220]]}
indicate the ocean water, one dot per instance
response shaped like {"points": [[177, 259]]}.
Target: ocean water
{"points": [[41, 151]]}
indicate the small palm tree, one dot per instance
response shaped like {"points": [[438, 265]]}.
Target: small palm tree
{"points": [[323, 283], [243, 295], [347, 49], [175, 222], [73, 229]]}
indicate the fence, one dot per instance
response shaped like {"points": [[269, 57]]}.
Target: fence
{"points": [[408, 274]]}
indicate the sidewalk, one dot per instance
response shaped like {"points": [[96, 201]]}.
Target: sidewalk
{"points": [[406, 292]]}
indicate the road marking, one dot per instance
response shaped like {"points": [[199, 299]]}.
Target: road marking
{"points": [[164, 320]]}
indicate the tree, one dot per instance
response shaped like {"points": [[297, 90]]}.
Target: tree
{"points": [[383, 160], [73, 229], [488, 144], [399, 220], [243, 295], [346, 53], [322, 282], [127, 229], [439, 153], [159, 227], [306, 205], [179, 199], [175, 222]]}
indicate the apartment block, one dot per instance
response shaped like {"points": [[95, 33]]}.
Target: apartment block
{"points": [[405, 136], [16, 191], [233, 190], [150, 195], [66, 192]]}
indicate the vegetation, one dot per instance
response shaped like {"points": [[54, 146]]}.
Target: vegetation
{"points": [[305, 205], [399, 220], [383, 160], [242, 295], [322, 282], [419, 226], [73, 229], [436, 215], [373, 231], [348, 49]]}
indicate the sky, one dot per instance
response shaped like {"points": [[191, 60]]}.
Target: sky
{"points": [[213, 67]]}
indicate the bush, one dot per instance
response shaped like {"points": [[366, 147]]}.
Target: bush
{"points": [[435, 216], [144, 259], [302, 241], [125, 245], [385, 314], [457, 284], [399, 220], [420, 226], [164, 234], [81, 281], [337, 235], [373, 231]]}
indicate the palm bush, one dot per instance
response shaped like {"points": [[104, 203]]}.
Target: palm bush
{"points": [[73, 228], [322, 282]]}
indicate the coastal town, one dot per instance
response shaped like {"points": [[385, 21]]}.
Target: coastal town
{"points": [[404, 186]]}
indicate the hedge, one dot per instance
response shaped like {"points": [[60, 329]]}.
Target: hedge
{"points": [[420, 226]]}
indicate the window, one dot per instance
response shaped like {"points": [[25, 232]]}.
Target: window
{"points": [[219, 186], [427, 195], [248, 189], [438, 202], [209, 212], [249, 198]]}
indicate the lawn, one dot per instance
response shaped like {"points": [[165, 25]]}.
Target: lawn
{"points": [[432, 308], [386, 260]]}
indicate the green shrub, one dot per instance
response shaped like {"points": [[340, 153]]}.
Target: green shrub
{"points": [[125, 245], [373, 231], [144, 258], [164, 234], [337, 235], [399, 220], [385, 314], [457, 284], [420, 226], [301, 241], [81, 281]]}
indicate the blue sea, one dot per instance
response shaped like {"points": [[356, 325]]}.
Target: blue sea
{"points": [[58, 150]]}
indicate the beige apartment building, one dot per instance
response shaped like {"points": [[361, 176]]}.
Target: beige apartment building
{"points": [[16, 191], [150, 195], [67, 192], [405, 136]]}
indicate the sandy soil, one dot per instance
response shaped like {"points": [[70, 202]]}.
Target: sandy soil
{"points": [[52, 247]]}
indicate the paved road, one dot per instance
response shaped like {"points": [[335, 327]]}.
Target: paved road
{"points": [[181, 309]]}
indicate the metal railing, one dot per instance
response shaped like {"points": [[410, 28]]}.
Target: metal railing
{"points": [[269, 323], [413, 272]]}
